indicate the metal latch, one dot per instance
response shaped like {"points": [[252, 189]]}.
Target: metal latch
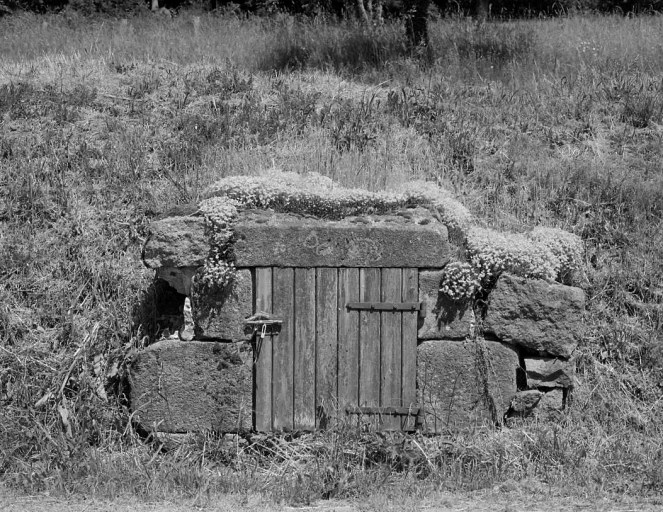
{"points": [[262, 324], [386, 306]]}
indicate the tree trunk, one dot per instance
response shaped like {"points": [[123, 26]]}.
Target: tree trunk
{"points": [[482, 9], [417, 21], [371, 13]]}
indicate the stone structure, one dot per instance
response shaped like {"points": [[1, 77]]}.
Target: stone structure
{"points": [[471, 370]]}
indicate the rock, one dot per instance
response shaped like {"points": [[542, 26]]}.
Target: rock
{"points": [[464, 385], [525, 401], [540, 316], [549, 372], [445, 318], [537, 404], [219, 312], [265, 238], [177, 241], [194, 386], [275, 239], [178, 278]]}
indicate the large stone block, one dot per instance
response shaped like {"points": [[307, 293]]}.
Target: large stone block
{"points": [[177, 241], [193, 386], [445, 318], [464, 385], [549, 372], [265, 238], [543, 317], [219, 312], [275, 239]]}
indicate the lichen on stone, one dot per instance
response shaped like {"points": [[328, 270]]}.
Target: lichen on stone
{"points": [[544, 253]]}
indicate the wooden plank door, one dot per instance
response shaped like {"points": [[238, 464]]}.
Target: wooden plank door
{"points": [[333, 353]]}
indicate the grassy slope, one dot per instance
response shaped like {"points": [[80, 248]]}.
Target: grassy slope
{"points": [[104, 124]]}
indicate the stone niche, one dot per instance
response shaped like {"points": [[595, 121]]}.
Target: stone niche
{"points": [[467, 372]]}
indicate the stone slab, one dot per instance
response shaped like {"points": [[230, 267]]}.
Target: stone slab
{"points": [[265, 238], [465, 385], [219, 312], [543, 317], [269, 239], [177, 241], [445, 318], [549, 372], [193, 386]]}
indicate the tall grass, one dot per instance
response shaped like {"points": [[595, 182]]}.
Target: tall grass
{"points": [[106, 123]]}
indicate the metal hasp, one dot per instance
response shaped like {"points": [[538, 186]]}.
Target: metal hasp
{"points": [[262, 325], [386, 306]]}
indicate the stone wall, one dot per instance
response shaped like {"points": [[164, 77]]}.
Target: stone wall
{"points": [[513, 356]]}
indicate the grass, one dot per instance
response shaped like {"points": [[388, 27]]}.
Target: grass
{"points": [[107, 123]]}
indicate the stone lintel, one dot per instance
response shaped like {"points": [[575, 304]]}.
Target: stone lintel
{"points": [[264, 238], [270, 239]]}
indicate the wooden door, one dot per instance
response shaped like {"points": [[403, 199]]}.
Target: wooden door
{"points": [[346, 349]]}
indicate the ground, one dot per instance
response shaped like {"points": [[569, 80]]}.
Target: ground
{"points": [[495, 500]]}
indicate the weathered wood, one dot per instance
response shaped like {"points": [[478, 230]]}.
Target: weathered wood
{"points": [[348, 338], [369, 341], [304, 347], [326, 362], [282, 350], [263, 354], [390, 346], [409, 345]]}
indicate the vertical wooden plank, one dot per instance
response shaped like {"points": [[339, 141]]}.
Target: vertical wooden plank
{"points": [[282, 349], [326, 372], [304, 347], [390, 347], [348, 340], [369, 341], [410, 293], [263, 354]]}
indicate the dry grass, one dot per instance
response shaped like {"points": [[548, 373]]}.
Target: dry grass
{"points": [[106, 123]]}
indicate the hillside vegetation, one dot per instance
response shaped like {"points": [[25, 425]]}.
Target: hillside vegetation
{"points": [[104, 124]]}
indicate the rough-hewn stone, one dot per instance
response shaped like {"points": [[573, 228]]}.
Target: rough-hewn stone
{"points": [[537, 404], [543, 317], [265, 238], [219, 312], [269, 239], [525, 401], [445, 318], [465, 384], [176, 242], [549, 372], [193, 386], [178, 278]]}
